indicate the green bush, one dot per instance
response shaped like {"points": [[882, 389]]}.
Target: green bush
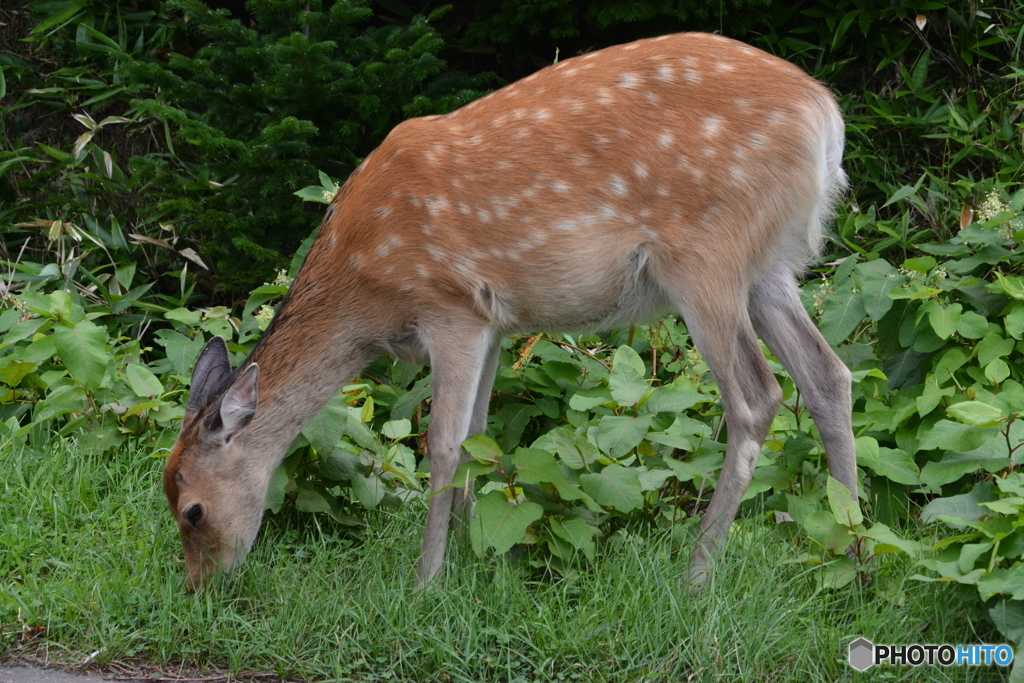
{"points": [[257, 111]]}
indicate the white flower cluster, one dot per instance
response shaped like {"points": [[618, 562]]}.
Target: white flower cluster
{"points": [[264, 316], [992, 206]]}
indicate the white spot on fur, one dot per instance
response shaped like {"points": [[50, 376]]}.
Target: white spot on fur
{"points": [[435, 253], [484, 215], [542, 115], [665, 73], [435, 205], [464, 208], [560, 186], [617, 185], [631, 46], [421, 271], [692, 77], [723, 67], [711, 125], [355, 260], [757, 140], [665, 139], [652, 99], [603, 96], [640, 170], [662, 191], [628, 81]]}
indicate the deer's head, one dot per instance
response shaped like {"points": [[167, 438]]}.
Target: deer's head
{"points": [[214, 497]]}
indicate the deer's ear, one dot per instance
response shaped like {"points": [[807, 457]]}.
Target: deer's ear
{"points": [[211, 368], [236, 407]]}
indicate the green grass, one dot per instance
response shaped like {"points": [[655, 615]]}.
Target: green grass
{"points": [[87, 550]]}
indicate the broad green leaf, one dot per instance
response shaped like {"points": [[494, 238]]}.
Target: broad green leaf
{"points": [[83, 348], [619, 434], [652, 480], [406, 404], [997, 371], [468, 473], [823, 528], [309, 500], [15, 371], [671, 399], [515, 416], [944, 320], [969, 554], [563, 443], [950, 361], [625, 355], [578, 533], [275, 494], [954, 465], [588, 398], [341, 465], [884, 536], [627, 386], [891, 463], [142, 407], [614, 486], [397, 429], [931, 396], [843, 311], [499, 524], [183, 315], [534, 466], [876, 279], [964, 507], [1008, 616], [100, 438], [953, 436], [993, 346], [844, 506], [482, 448], [972, 325], [315, 193], [142, 381], [837, 573], [1012, 285], [1014, 320], [369, 491], [324, 430], [66, 399], [181, 351], [975, 413]]}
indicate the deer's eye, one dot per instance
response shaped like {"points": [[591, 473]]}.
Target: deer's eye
{"points": [[194, 514]]}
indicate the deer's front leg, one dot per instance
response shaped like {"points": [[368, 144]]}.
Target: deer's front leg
{"points": [[458, 356]]}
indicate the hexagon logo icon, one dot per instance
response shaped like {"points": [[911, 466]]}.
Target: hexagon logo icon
{"points": [[862, 654]]}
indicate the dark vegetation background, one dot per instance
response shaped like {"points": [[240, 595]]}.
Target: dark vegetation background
{"points": [[235, 106]]}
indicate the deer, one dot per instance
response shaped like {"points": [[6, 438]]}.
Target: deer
{"points": [[687, 173]]}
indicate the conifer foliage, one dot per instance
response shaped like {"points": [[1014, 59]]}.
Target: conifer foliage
{"points": [[258, 110]]}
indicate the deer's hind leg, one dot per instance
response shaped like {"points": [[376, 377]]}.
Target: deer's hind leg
{"points": [[823, 379]]}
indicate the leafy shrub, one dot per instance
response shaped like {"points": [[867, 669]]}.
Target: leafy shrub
{"points": [[255, 111]]}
